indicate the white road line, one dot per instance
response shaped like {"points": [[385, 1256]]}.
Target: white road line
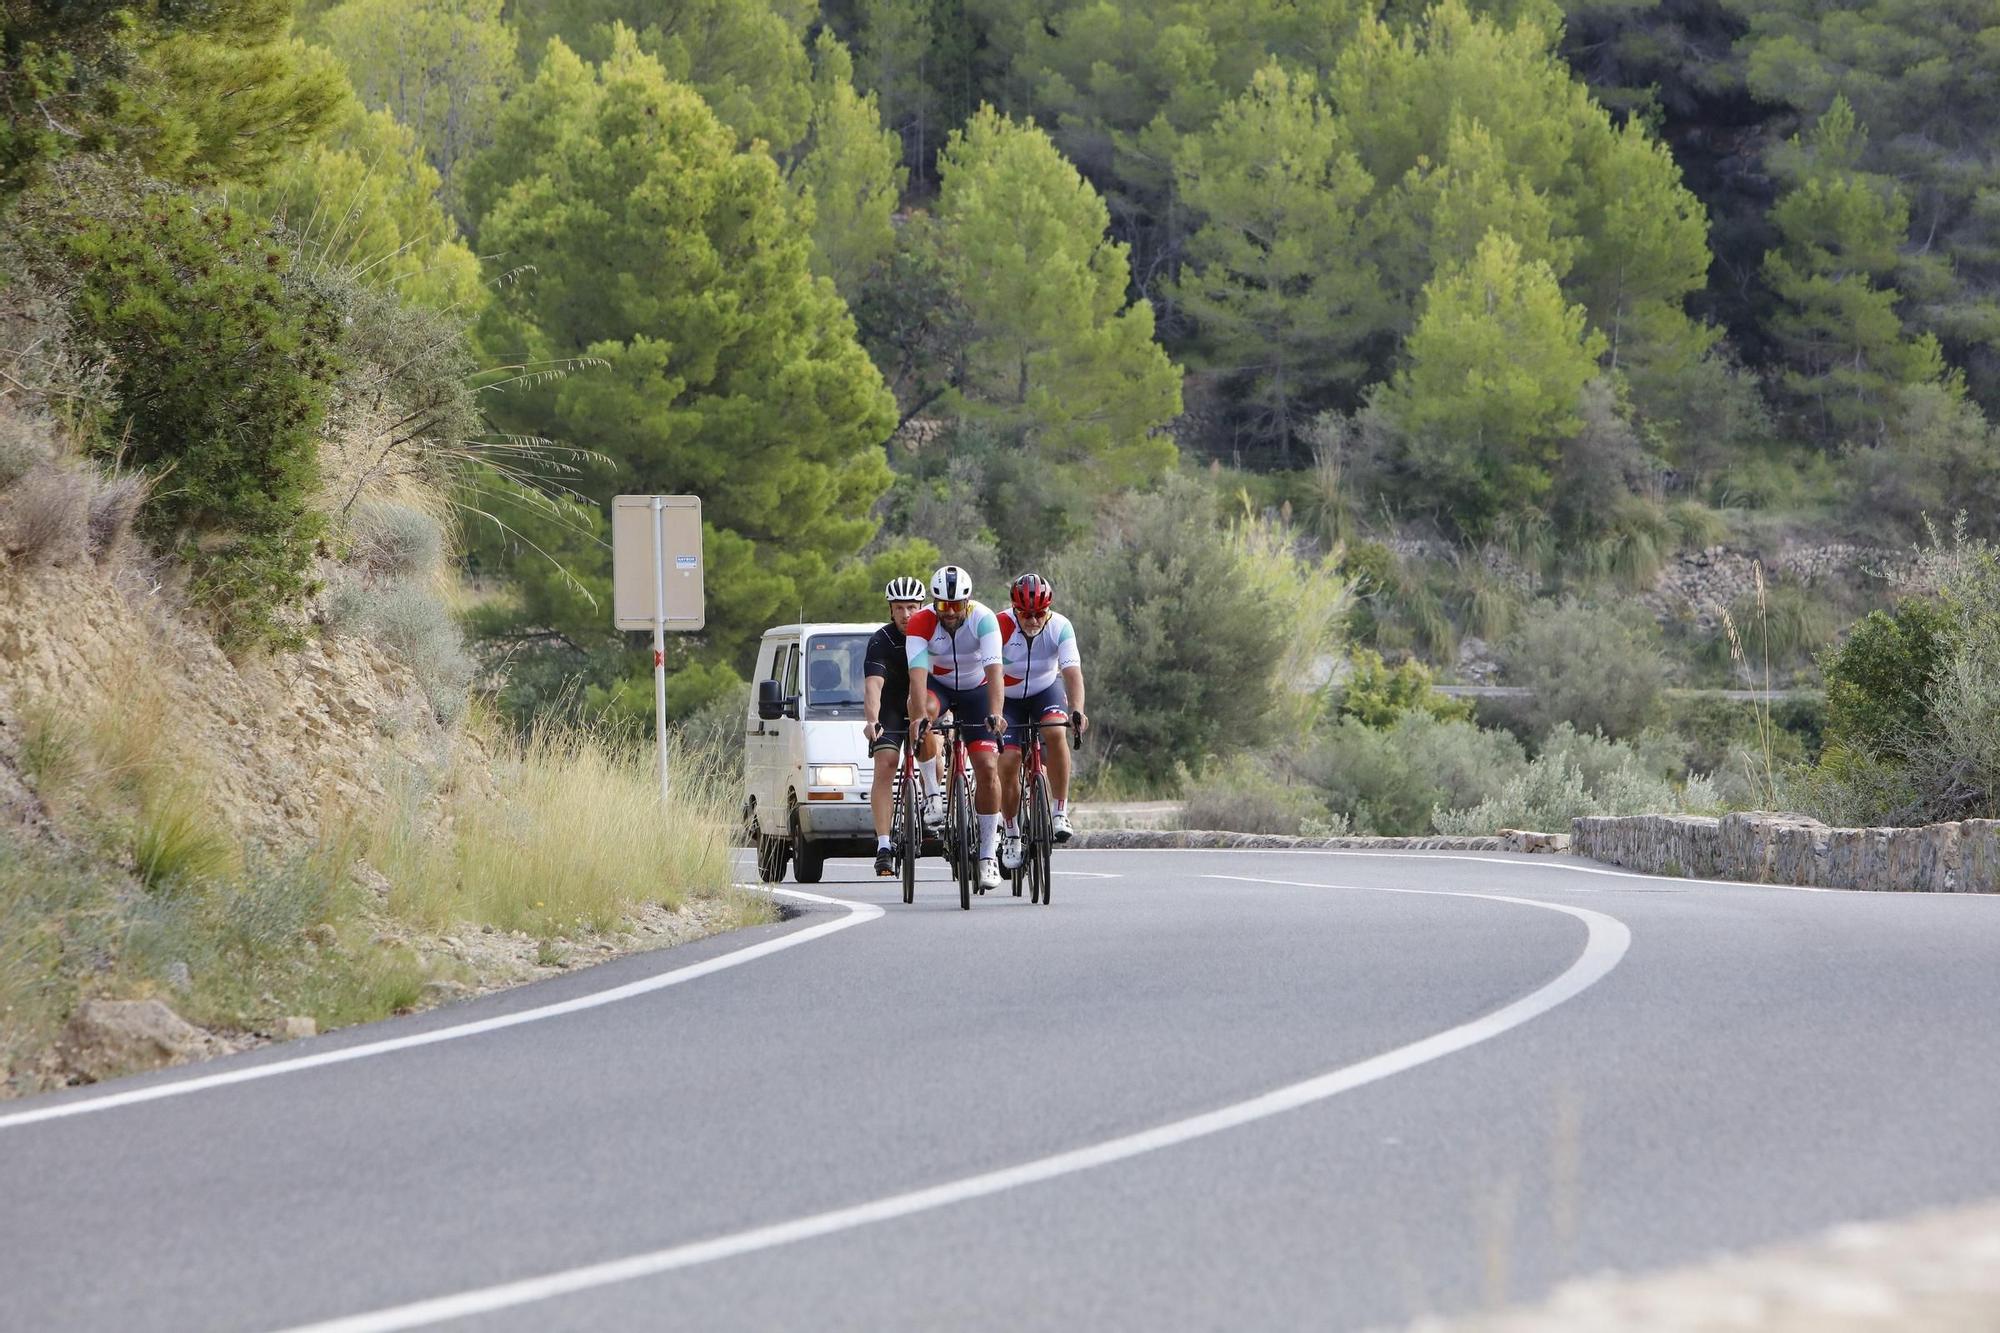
{"points": [[857, 913], [1606, 943]]}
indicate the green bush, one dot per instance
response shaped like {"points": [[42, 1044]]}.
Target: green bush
{"points": [[222, 369], [1879, 681], [1377, 694], [1181, 651], [1389, 780], [1589, 666], [1245, 795], [1913, 701]]}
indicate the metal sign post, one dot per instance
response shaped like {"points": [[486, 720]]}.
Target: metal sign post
{"points": [[656, 582]]}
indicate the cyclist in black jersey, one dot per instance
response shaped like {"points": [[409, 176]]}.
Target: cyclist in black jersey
{"points": [[885, 705]]}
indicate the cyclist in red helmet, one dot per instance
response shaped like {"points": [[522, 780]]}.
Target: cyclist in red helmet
{"points": [[1043, 674]]}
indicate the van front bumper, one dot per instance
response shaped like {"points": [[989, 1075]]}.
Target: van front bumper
{"points": [[849, 817]]}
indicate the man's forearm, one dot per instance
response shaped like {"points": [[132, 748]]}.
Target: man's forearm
{"points": [[1073, 684]]}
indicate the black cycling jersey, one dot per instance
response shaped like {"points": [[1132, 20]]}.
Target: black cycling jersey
{"points": [[888, 659]]}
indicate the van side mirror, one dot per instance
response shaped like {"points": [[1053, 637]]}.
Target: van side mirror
{"points": [[770, 701]]}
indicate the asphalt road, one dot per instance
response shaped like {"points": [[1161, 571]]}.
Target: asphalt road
{"points": [[1203, 1090]]}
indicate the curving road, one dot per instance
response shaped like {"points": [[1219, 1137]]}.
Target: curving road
{"points": [[1204, 1090]]}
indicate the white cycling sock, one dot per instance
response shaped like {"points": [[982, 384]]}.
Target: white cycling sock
{"points": [[1014, 827], [989, 829], [927, 773], [1062, 806], [881, 842]]}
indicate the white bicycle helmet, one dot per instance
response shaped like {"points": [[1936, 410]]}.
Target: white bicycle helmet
{"points": [[951, 584], [903, 588]]}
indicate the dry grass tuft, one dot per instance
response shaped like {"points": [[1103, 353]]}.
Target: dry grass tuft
{"points": [[45, 517]]}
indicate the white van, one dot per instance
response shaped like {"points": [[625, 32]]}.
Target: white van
{"points": [[806, 768]]}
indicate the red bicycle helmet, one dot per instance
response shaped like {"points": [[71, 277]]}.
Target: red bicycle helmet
{"points": [[1032, 594]]}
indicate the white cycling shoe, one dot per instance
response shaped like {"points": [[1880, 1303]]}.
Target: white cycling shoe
{"points": [[933, 811], [1059, 826], [989, 873], [1010, 851]]}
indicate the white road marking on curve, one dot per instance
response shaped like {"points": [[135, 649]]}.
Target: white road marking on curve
{"points": [[857, 913], [1540, 863], [1606, 941]]}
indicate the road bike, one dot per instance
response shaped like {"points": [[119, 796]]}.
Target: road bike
{"points": [[1036, 814]]}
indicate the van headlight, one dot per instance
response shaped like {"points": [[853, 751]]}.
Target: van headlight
{"points": [[831, 775]]}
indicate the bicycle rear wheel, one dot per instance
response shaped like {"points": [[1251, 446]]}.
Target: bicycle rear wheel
{"points": [[1043, 848]]}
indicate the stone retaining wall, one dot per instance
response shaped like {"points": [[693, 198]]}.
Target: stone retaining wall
{"points": [[1508, 840], [1791, 849]]}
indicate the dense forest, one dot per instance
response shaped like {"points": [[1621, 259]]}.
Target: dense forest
{"points": [[1279, 331]]}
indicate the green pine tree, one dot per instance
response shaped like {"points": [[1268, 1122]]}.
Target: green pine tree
{"points": [[643, 241], [1848, 357], [846, 175], [1054, 348], [1496, 366], [1275, 277], [747, 58], [441, 67]]}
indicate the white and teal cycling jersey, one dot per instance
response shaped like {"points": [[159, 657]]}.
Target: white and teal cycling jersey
{"points": [[1032, 665], [957, 659]]}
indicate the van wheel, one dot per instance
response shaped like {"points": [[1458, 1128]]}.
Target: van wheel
{"points": [[808, 858]]}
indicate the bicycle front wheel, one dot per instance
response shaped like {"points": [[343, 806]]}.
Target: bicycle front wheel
{"points": [[909, 826], [967, 839]]}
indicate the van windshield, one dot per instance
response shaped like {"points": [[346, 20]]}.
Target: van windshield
{"points": [[834, 674]]}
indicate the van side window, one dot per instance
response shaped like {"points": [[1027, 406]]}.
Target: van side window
{"points": [[790, 668]]}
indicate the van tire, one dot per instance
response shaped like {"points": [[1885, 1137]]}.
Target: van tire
{"points": [[808, 858]]}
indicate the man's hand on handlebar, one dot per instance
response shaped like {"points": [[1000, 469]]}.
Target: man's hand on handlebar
{"points": [[997, 724], [1080, 721], [872, 732]]}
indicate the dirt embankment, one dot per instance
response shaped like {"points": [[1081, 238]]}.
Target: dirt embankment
{"points": [[271, 843]]}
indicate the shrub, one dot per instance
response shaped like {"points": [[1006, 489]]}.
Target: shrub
{"points": [[223, 371], [45, 517], [1788, 621], [1180, 648], [1389, 780], [1913, 700], [1879, 681], [1377, 694], [1311, 600], [24, 443], [396, 541], [417, 628], [1246, 796], [1577, 774], [1590, 667]]}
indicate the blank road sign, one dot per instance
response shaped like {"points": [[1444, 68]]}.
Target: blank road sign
{"points": [[632, 567]]}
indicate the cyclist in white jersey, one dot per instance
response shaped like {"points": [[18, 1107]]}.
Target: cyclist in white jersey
{"points": [[1043, 671], [954, 655]]}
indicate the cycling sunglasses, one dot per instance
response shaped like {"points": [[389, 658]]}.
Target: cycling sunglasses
{"points": [[956, 608]]}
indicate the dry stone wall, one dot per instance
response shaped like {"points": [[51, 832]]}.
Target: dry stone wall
{"points": [[1768, 848]]}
